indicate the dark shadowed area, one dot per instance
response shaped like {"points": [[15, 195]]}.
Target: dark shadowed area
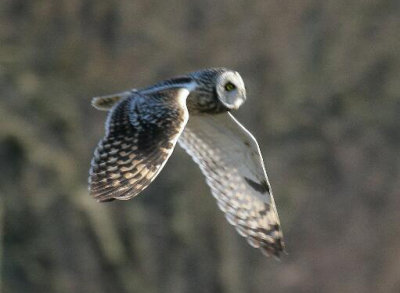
{"points": [[323, 82]]}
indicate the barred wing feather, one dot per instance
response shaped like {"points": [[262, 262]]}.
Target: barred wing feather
{"points": [[141, 133]]}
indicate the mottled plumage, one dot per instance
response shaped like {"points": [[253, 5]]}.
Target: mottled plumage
{"points": [[141, 132], [144, 125]]}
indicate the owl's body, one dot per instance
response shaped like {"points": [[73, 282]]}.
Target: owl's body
{"points": [[144, 125]]}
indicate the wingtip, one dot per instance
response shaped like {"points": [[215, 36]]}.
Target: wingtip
{"points": [[276, 250], [101, 103], [268, 252], [105, 103]]}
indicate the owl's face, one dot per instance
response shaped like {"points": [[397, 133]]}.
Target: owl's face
{"points": [[230, 89]]}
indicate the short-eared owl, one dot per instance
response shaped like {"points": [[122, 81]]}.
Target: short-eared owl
{"points": [[143, 126]]}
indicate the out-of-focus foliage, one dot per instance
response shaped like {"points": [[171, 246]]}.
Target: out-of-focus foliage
{"points": [[323, 100]]}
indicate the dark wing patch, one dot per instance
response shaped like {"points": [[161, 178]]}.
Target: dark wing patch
{"points": [[262, 187], [141, 133]]}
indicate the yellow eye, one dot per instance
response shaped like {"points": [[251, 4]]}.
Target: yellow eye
{"points": [[229, 86]]}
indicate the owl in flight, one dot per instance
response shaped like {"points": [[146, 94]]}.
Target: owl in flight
{"points": [[144, 125]]}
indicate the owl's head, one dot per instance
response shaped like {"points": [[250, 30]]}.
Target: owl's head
{"points": [[217, 90], [212, 90]]}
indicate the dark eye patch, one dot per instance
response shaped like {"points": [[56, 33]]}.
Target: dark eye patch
{"points": [[229, 86]]}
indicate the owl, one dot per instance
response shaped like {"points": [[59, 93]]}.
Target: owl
{"points": [[144, 125]]}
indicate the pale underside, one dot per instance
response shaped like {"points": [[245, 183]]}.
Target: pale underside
{"points": [[229, 157]]}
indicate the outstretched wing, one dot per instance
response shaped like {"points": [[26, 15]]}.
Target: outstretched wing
{"points": [[141, 133], [229, 157]]}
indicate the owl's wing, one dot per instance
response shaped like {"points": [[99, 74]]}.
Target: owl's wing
{"points": [[229, 157], [141, 133]]}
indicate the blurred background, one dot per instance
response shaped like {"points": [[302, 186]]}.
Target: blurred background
{"points": [[323, 101]]}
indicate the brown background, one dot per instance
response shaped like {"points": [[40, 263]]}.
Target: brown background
{"points": [[323, 101]]}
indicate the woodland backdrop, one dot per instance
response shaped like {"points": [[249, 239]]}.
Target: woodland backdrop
{"points": [[323, 101]]}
